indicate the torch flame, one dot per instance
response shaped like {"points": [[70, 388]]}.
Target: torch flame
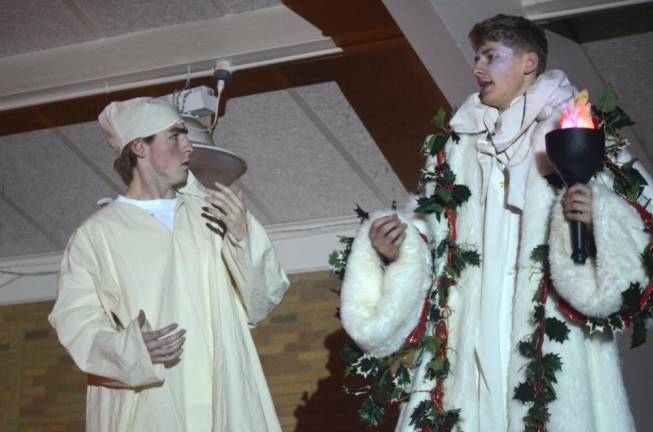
{"points": [[577, 113]]}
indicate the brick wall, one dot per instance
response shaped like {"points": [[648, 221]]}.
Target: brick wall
{"points": [[41, 390]]}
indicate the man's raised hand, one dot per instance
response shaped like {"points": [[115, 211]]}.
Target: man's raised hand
{"points": [[226, 209], [387, 234]]}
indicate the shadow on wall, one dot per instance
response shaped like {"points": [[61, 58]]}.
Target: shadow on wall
{"points": [[330, 408]]}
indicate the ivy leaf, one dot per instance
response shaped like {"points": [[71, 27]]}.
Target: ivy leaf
{"points": [[430, 205], [439, 119], [471, 257], [639, 332], [398, 395], [431, 343], [434, 313], [334, 258], [371, 413], [434, 143], [423, 415], [556, 330], [350, 354], [607, 100], [524, 393], [540, 254], [461, 193], [438, 368], [402, 376], [364, 366], [617, 119], [630, 183], [528, 349], [442, 247]]}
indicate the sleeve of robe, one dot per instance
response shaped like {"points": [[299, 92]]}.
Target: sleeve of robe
{"points": [[380, 307], [86, 329], [256, 271], [595, 288]]}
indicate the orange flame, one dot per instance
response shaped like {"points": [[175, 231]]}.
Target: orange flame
{"points": [[577, 113]]}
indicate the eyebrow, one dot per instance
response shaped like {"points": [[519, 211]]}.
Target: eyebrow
{"points": [[178, 129]]}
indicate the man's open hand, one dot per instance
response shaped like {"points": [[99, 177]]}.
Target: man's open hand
{"points": [[163, 345]]}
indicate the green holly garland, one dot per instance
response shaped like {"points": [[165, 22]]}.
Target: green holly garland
{"points": [[390, 378], [538, 389]]}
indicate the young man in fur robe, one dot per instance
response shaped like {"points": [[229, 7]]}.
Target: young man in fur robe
{"points": [[501, 158]]}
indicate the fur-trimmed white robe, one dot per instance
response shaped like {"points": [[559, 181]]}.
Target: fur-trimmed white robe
{"points": [[380, 308]]}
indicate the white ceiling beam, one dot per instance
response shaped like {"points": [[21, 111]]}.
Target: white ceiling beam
{"points": [[156, 56], [437, 30], [542, 10]]}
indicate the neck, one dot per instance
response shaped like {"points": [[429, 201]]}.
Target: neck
{"points": [[148, 188]]}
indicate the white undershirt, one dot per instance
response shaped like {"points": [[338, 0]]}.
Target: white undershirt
{"points": [[162, 209]]}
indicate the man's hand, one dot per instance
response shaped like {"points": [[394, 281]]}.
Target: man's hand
{"points": [[163, 345], [387, 234], [227, 210], [577, 204]]}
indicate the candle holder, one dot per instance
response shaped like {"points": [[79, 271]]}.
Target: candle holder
{"points": [[576, 154]]}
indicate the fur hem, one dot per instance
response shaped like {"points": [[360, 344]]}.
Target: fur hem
{"points": [[595, 288], [379, 309]]}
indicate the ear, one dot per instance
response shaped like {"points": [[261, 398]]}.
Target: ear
{"points": [[138, 147], [531, 62]]}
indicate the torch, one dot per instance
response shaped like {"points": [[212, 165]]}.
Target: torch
{"points": [[576, 151]]}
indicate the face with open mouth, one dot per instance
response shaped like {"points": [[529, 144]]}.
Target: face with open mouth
{"points": [[169, 155], [502, 73]]}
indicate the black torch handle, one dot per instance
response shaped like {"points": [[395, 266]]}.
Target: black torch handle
{"points": [[578, 242]]}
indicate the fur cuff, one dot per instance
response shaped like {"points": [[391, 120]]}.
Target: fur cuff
{"points": [[595, 288], [379, 309]]}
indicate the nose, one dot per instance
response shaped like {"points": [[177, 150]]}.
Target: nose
{"points": [[479, 69], [187, 146]]}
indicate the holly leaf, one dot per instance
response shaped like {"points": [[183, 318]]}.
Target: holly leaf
{"points": [[439, 119], [455, 137], [371, 413], [639, 332], [524, 393], [607, 100], [350, 354], [362, 214], [538, 313], [556, 330], [630, 299]]}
